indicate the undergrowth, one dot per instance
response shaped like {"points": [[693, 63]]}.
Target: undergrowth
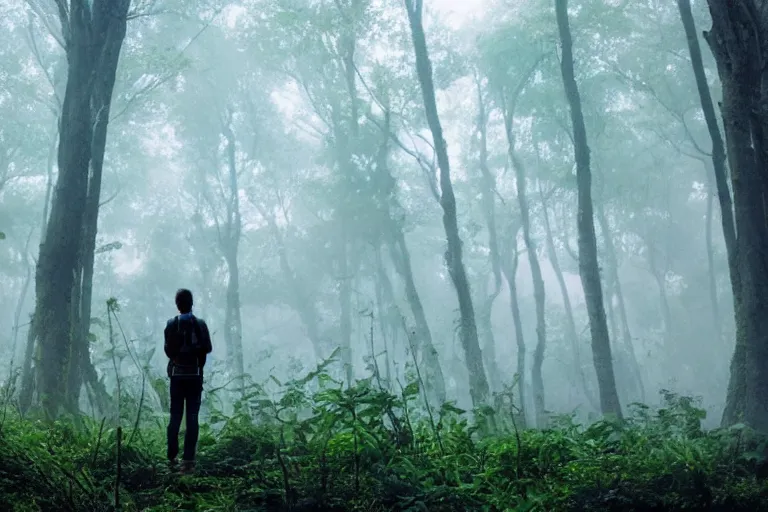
{"points": [[365, 449]]}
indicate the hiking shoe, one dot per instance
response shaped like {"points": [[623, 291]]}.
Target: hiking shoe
{"points": [[187, 467]]}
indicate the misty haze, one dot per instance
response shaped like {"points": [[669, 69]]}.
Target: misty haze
{"points": [[468, 255]]}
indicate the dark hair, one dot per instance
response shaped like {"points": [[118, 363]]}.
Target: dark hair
{"points": [[184, 300]]}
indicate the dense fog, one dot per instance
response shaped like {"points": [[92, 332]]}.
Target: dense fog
{"points": [[280, 159]]}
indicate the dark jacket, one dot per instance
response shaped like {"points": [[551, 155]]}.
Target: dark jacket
{"points": [[204, 338]]}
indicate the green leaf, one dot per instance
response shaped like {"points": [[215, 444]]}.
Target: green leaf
{"points": [[411, 389], [2, 235], [449, 407]]}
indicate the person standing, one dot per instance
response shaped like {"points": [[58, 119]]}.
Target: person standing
{"points": [[187, 345]]}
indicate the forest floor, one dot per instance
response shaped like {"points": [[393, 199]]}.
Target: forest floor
{"points": [[350, 458]]}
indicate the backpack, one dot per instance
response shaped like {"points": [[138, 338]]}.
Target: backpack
{"points": [[187, 338]]}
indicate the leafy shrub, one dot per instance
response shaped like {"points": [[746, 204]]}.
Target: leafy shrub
{"points": [[365, 449]]}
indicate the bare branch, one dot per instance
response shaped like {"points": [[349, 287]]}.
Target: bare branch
{"points": [[59, 35], [36, 53]]}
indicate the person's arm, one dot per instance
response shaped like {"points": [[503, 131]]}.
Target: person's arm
{"points": [[169, 346], [205, 340], [207, 345]]}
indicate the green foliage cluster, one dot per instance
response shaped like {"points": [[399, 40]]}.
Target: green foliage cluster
{"points": [[365, 449]]}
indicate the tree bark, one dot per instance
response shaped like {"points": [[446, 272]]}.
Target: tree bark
{"points": [[716, 169], [612, 267], [94, 34], [739, 42], [588, 262], [737, 385], [101, 103], [478, 382]]}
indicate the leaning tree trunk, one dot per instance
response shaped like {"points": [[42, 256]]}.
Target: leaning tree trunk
{"points": [[94, 35], [714, 298], [478, 382], [739, 42], [386, 202], [736, 387], [509, 97], [588, 262]]}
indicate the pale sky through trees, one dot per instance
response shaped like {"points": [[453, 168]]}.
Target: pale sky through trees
{"points": [[458, 11]]}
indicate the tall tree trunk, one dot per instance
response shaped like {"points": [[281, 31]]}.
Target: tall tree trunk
{"points": [[394, 239], [27, 372], [588, 262], [739, 42], [94, 33], [384, 312], [485, 333], [570, 323], [101, 102], [230, 244], [509, 268], [734, 407], [537, 380], [346, 144], [478, 382], [401, 258], [612, 268], [488, 190]]}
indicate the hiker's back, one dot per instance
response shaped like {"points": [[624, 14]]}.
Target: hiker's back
{"points": [[187, 342]]}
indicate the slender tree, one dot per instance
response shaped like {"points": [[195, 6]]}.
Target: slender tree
{"points": [[588, 262], [478, 382]]}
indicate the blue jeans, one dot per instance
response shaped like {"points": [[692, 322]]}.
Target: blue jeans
{"points": [[189, 391]]}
